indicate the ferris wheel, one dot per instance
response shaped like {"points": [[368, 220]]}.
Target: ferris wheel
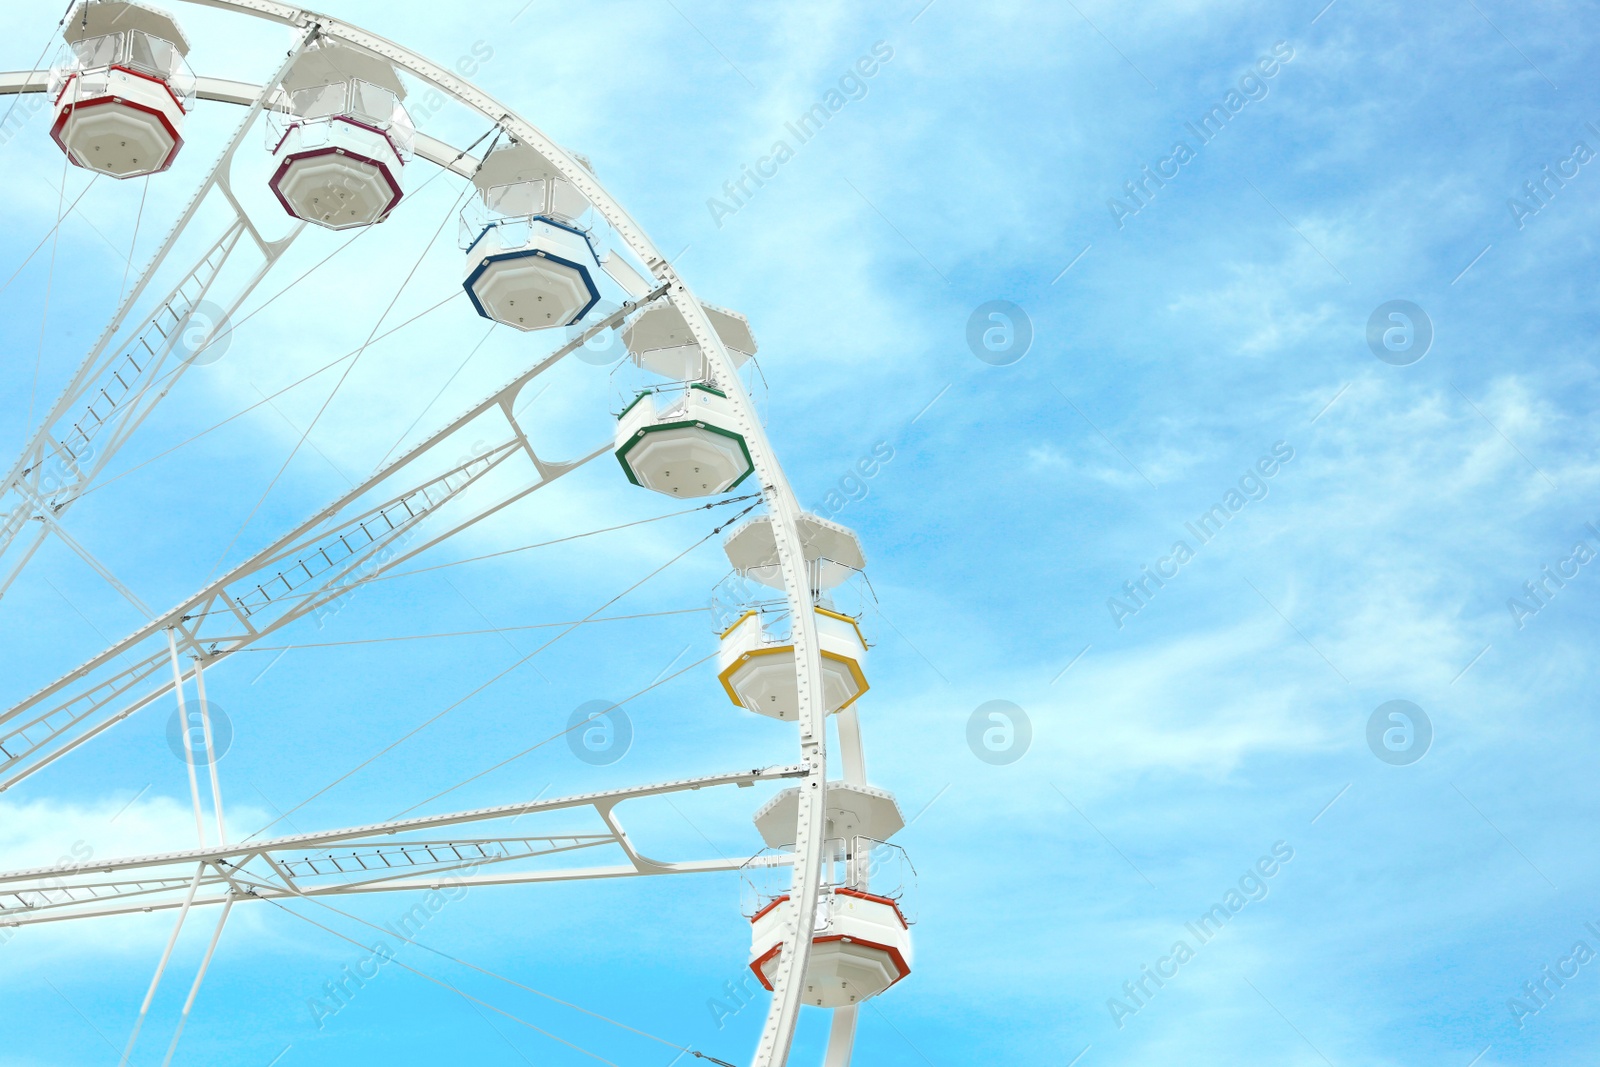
{"points": [[546, 248]]}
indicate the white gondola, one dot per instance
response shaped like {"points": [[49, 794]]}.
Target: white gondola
{"points": [[860, 946], [121, 89], [756, 665], [832, 552], [860, 940], [685, 447], [529, 263], [853, 811], [659, 341], [345, 140]]}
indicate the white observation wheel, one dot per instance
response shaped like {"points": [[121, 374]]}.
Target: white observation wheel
{"points": [[336, 121]]}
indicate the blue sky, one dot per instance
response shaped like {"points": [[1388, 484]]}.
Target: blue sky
{"points": [[1172, 349]]}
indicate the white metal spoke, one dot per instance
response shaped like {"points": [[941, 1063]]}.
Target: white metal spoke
{"points": [[200, 976], [161, 968], [116, 387], [379, 857], [841, 1037], [188, 749], [260, 596], [211, 753], [364, 533]]}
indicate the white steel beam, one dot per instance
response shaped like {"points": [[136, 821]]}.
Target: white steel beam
{"points": [[361, 859], [378, 524], [116, 387]]}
